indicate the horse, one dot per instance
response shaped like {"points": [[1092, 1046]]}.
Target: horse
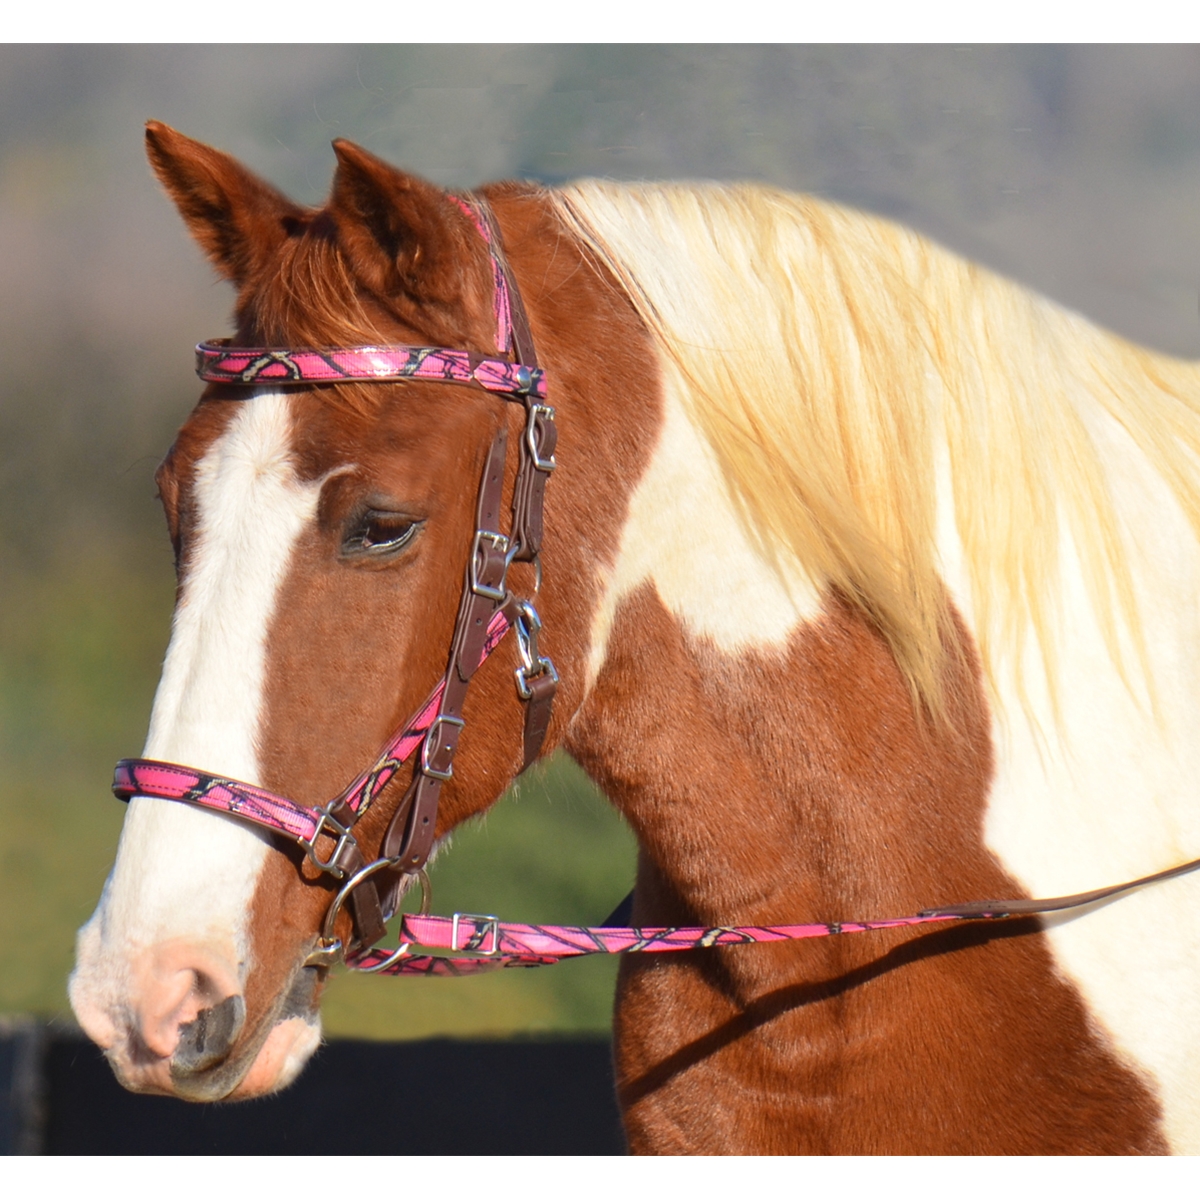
{"points": [[869, 582]]}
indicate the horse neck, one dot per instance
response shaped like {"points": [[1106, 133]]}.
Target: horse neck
{"points": [[755, 731], [784, 783]]}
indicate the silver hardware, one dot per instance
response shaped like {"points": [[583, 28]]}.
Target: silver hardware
{"points": [[395, 956], [426, 769], [490, 925], [534, 411], [333, 828], [544, 666], [535, 563], [500, 542], [329, 949], [325, 955], [527, 626]]}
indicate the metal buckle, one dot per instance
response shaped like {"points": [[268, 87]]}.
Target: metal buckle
{"points": [[490, 925], [329, 949], [523, 676], [499, 542], [527, 624], [345, 837], [533, 412], [426, 769]]}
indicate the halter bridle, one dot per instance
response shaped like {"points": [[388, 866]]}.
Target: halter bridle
{"points": [[488, 609]]}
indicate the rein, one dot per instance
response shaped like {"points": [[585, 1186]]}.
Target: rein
{"points": [[487, 611]]}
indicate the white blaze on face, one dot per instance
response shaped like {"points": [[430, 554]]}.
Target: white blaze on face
{"points": [[178, 897]]}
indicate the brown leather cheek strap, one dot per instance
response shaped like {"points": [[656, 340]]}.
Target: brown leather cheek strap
{"points": [[410, 834]]}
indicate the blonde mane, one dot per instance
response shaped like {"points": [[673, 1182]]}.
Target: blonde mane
{"points": [[826, 355]]}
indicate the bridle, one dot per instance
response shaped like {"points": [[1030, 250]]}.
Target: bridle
{"points": [[487, 610]]}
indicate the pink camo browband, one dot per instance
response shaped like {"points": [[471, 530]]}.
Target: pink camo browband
{"points": [[218, 362]]}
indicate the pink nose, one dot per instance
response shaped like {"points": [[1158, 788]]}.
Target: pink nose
{"points": [[187, 1006]]}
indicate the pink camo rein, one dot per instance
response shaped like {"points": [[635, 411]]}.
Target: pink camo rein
{"points": [[484, 943], [499, 944]]}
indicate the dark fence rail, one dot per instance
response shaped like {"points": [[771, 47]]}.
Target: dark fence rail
{"points": [[58, 1096]]}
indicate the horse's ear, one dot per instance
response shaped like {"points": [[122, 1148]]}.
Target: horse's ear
{"points": [[401, 233], [238, 219]]}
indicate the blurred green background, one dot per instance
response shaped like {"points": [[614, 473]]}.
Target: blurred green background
{"points": [[1074, 169]]}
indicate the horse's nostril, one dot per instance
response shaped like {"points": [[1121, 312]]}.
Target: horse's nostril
{"points": [[207, 1040]]}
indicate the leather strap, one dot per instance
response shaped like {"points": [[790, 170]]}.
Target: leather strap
{"points": [[541, 434], [537, 461], [1031, 908], [522, 338], [538, 710], [410, 835]]}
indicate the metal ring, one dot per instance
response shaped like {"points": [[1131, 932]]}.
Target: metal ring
{"points": [[380, 864], [395, 956]]}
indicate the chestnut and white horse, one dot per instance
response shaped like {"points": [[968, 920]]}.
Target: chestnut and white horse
{"points": [[872, 582]]}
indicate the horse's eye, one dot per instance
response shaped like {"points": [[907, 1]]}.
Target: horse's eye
{"points": [[379, 534]]}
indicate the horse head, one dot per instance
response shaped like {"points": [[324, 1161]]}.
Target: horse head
{"points": [[320, 536]]}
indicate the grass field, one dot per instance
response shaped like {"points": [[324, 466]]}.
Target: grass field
{"points": [[79, 656]]}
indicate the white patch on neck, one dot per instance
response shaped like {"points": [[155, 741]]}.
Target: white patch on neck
{"points": [[1111, 791], [182, 873], [685, 535]]}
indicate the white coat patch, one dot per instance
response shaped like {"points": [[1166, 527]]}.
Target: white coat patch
{"points": [[685, 535], [1111, 790]]}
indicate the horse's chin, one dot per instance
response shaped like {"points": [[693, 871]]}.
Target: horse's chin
{"points": [[289, 1045]]}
